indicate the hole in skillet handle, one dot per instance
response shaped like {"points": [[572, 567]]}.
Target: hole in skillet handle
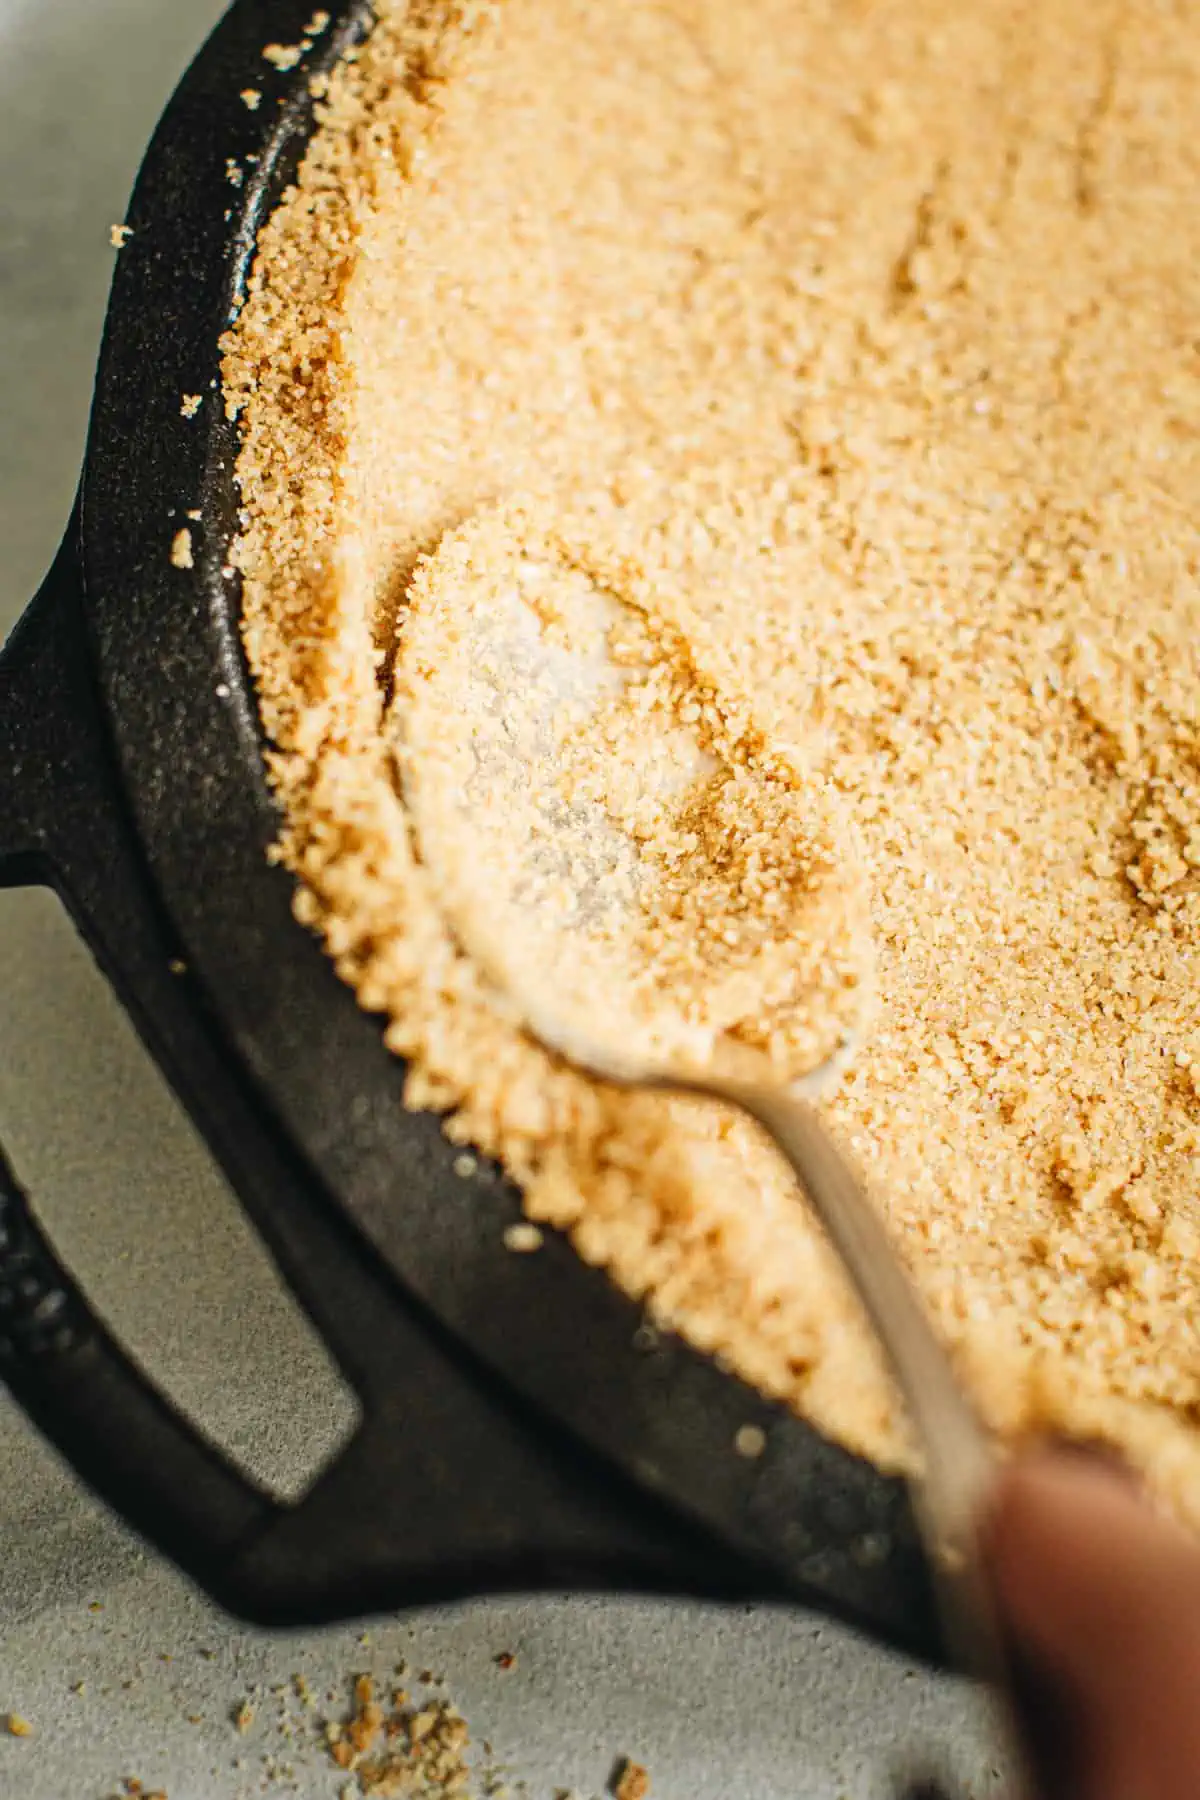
{"points": [[82, 1391], [392, 1522]]}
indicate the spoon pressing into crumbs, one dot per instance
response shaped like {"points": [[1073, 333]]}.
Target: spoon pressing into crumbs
{"points": [[601, 828]]}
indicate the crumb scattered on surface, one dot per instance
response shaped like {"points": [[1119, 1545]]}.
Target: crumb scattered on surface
{"points": [[119, 235], [631, 1782], [523, 1239], [282, 56], [506, 1660], [190, 405], [243, 1717], [251, 98], [181, 550], [408, 1749], [17, 1725], [917, 494], [750, 1441]]}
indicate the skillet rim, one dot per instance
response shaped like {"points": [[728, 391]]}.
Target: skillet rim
{"points": [[184, 721]]}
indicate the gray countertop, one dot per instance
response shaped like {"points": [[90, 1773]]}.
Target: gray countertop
{"points": [[715, 1704]]}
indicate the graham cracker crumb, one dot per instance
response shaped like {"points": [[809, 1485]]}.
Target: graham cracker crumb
{"points": [[523, 1239], [632, 1782], [897, 513], [750, 1441], [251, 98], [181, 550], [17, 1726], [282, 56], [119, 235], [190, 405], [405, 1751]]}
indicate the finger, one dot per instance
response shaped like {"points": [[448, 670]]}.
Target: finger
{"points": [[1103, 1596]]}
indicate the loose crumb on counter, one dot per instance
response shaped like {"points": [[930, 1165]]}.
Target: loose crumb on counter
{"points": [[631, 1781], [181, 549], [402, 1750]]}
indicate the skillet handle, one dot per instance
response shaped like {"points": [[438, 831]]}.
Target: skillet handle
{"points": [[398, 1518], [61, 1363]]}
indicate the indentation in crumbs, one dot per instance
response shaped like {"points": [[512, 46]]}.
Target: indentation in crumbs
{"points": [[929, 297]]}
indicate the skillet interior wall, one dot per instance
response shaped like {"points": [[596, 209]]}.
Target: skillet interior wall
{"points": [[909, 307]]}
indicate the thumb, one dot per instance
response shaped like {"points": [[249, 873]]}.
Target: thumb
{"points": [[1103, 1596]]}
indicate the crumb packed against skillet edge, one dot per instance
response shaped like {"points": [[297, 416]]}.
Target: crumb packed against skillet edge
{"points": [[878, 323]]}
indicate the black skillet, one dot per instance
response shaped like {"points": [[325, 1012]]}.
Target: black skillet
{"points": [[518, 1430]]}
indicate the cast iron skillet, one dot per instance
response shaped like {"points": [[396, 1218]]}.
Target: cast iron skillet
{"points": [[518, 1429]]}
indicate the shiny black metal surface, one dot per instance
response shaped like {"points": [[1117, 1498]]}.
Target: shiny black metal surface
{"points": [[514, 1432]]}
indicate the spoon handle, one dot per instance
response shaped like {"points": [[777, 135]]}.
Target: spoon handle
{"points": [[958, 1461]]}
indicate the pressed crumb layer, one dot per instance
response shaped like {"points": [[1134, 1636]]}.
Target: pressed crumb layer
{"points": [[878, 324]]}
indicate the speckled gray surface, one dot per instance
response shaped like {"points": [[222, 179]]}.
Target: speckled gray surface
{"points": [[716, 1704]]}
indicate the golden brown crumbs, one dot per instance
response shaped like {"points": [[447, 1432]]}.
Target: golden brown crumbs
{"points": [[235, 175], [251, 98], [750, 1441], [181, 550], [506, 1660], [243, 1717], [190, 405], [419, 1753], [119, 235], [318, 24], [282, 56], [523, 1239], [632, 1781], [17, 1726], [875, 325]]}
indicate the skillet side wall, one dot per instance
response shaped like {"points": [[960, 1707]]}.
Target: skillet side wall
{"points": [[184, 721]]}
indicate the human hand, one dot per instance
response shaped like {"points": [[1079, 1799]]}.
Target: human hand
{"points": [[1101, 1597]]}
